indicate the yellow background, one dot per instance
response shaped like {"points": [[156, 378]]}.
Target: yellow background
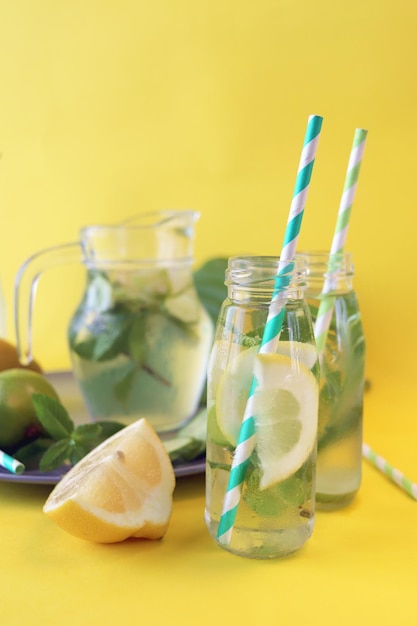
{"points": [[111, 108]]}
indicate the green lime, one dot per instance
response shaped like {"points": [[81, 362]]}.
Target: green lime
{"points": [[18, 419]]}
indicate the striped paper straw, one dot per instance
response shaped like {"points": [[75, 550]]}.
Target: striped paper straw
{"points": [[391, 472], [11, 464], [246, 439], [325, 311]]}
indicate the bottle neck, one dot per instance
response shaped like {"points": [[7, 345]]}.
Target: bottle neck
{"points": [[258, 280], [327, 273]]}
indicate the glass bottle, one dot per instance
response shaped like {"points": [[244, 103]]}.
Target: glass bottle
{"points": [[275, 514], [339, 334]]}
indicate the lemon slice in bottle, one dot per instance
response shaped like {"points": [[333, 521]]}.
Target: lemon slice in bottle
{"points": [[234, 383], [285, 409]]}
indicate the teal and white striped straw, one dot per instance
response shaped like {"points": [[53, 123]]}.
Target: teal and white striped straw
{"points": [[247, 436], [391, 472], [11, 464], [325, 311]]}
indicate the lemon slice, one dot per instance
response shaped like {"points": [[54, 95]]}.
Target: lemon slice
{"points": [[123, 488], [285, 409], [304, 353], [184, 306], [232, 393], [234, 383]]}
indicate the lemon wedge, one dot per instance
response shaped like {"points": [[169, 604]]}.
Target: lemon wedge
{"points": [[123, 488]]}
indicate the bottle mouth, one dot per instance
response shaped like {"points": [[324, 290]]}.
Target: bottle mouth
{"points": [[320, 263], [266, 272]]}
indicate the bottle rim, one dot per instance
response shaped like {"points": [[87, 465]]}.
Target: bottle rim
{"points": [[321, 263], [265, 271]]}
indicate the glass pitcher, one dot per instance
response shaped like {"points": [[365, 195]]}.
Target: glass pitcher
{"points": [[140, 338]]}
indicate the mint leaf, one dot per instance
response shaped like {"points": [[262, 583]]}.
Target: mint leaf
{"points": [[30, 453], [71, 443], [99, 295], [275, 499], [78, 451], [86, 432], [209, 283], [108, 429], [53, 416], [112, 335], [85, 348], [106, 336], [55, 455], [136, 338], [123, 386]]}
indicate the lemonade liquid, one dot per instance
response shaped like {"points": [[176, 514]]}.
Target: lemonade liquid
{"points": [[139, 343], [342, 365], [277, 520]]}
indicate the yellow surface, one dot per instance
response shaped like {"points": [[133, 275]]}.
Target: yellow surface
{"points": [[359, 567]]}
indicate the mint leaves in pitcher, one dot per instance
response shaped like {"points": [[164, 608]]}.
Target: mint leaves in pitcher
{"points": [[139, 343]]}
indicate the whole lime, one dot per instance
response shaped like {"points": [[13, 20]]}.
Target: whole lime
{"points": [[18, 419]]}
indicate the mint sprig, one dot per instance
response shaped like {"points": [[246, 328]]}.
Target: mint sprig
{"points": [[53, 416], [62, 442]]}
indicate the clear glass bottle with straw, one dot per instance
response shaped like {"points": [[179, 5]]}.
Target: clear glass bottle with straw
{"points": [[341, 345], [275, 512]]}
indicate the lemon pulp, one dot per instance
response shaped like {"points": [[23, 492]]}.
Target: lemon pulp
{"points": [[123, 488], [284, 406]]}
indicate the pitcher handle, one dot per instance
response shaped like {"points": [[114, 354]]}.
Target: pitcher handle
{"points": [[26, 283]]}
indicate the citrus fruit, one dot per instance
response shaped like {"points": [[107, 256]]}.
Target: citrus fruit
{"points": [[9, 358], [122, 488], [17, 414], [304, 353], [234, 383], [285, 409], [184, 306], [232, 393]]}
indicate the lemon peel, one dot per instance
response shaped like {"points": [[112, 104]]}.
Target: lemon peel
{"points": [[123, 488]]}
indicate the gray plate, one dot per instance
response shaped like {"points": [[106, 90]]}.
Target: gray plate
{"points": [[72, 399]]}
